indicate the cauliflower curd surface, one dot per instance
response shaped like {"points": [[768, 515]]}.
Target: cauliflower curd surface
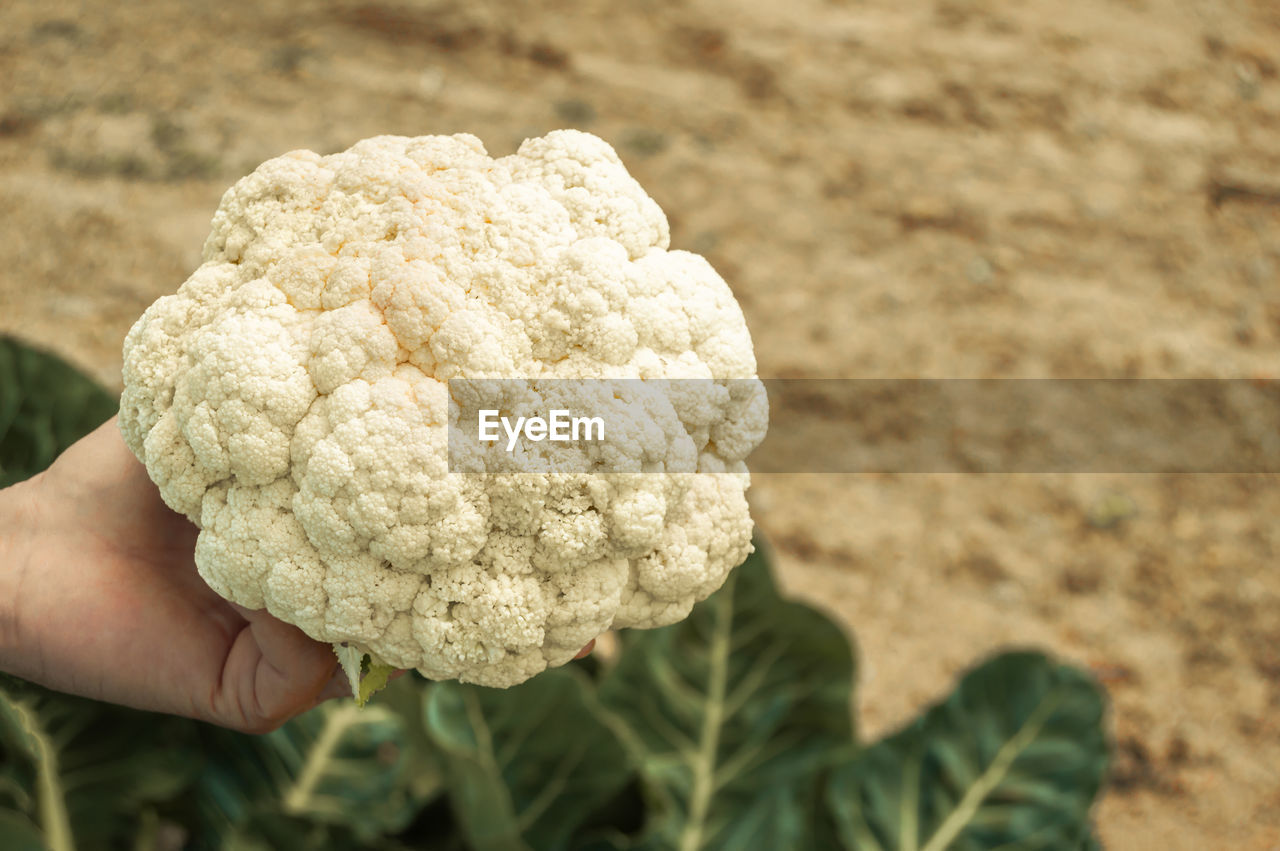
{"points": [[291, 400]]}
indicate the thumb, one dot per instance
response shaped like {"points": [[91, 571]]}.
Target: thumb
{"points": [[280, 671]]}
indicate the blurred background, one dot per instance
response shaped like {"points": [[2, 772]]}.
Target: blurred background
{"points": [[929, 188]]}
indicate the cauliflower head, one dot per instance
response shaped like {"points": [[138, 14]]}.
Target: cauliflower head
{"points": [[291, 399]]}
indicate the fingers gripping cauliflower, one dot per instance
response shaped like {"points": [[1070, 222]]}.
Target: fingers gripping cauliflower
{"points": [[291, 400]]}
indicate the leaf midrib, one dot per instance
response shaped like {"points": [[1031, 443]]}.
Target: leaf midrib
{"points": [[704, 758], [53, 807], [994, 773], [298, 799]]}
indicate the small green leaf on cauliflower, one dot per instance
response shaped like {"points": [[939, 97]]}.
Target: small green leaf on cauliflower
{"points": [[375, 679], [366, 675], [351, 661]]}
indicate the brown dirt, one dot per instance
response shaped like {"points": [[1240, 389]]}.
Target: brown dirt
{"points": [[952, 188]]}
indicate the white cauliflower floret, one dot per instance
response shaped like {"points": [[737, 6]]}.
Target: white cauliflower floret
{"points": [[291, 399]]}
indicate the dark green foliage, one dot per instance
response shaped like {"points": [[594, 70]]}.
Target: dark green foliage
{"points": [[45, 406], [733, 715], [73, 769], [361, 770], [732, 729], [527, 765], [736, 753], [1012, 759]]}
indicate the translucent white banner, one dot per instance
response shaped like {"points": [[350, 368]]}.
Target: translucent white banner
{"points": [[865, 425]]}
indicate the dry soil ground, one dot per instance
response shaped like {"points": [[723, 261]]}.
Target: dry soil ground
{"points": [[893, 188]]}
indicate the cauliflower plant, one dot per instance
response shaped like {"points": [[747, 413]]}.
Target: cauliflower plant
{"points": [[291, 400]]}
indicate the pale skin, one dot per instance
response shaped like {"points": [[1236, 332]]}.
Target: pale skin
{"points": [[99, 596]]}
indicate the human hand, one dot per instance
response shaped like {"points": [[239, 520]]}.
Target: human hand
{"points": [[107, 602]]}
